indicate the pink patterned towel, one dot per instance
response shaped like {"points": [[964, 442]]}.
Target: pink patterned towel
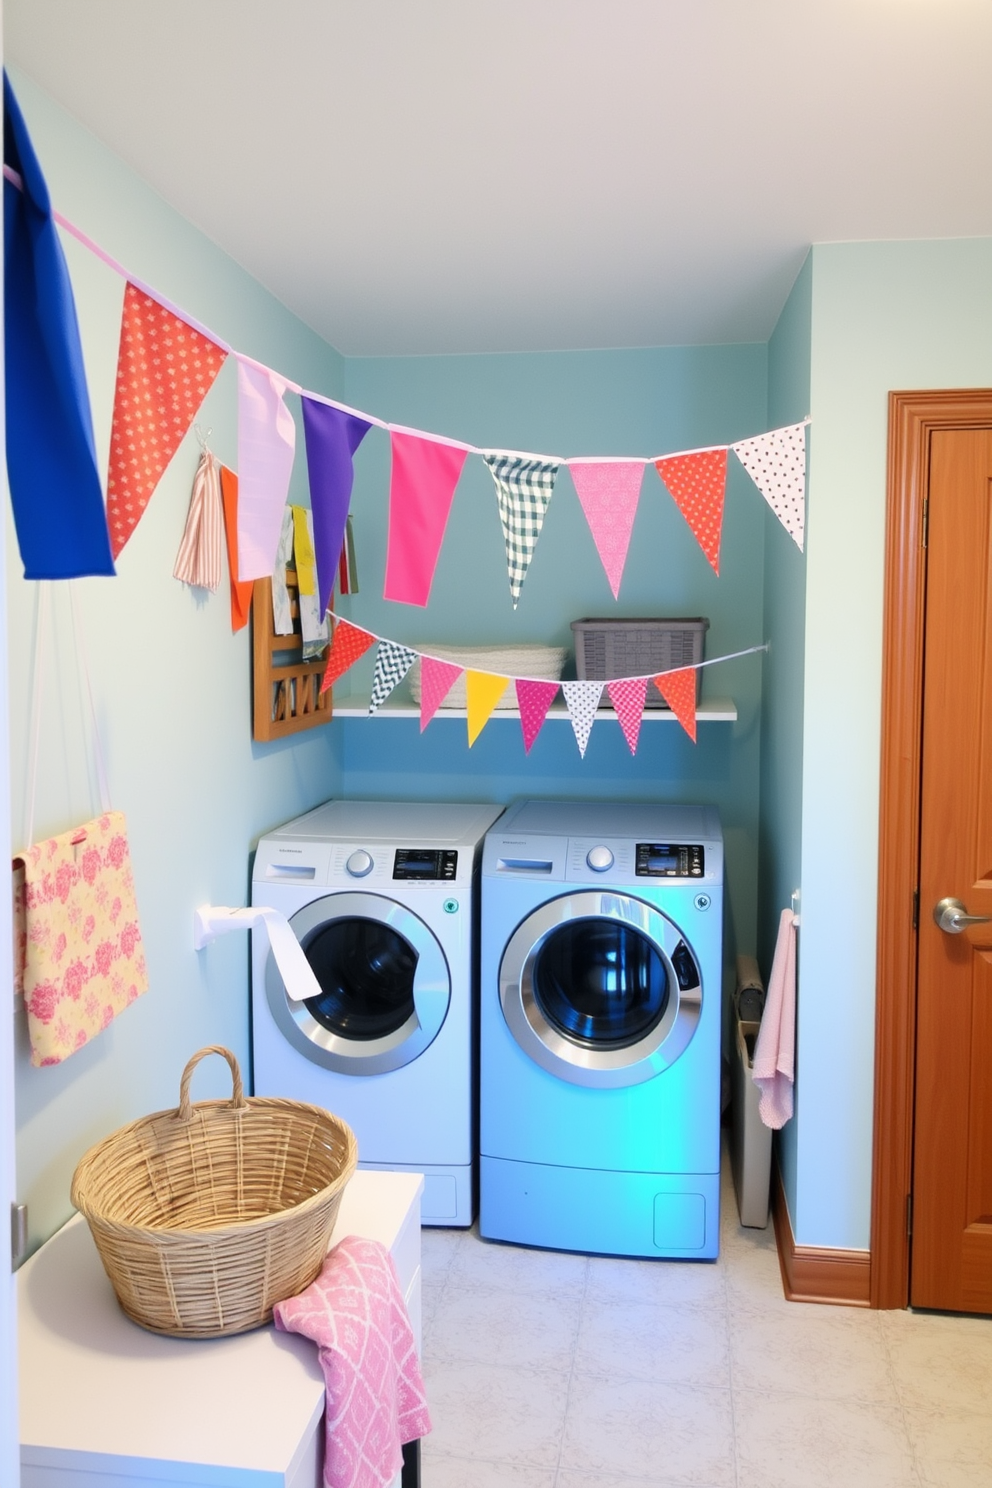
{"points": [[375, 1391]]}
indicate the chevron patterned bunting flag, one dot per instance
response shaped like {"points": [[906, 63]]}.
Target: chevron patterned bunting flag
{"points": [[582, 699], [437, 678], [533, 699], [348, 644], [679, 691], [776, 462], [392, 662], [523, 490], [698, 483], [164, 371], [483, 691], [627, 695], [608, 491]]}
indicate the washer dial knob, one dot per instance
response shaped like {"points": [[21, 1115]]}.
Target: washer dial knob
{"points": [[599, 859], [360, 863]]}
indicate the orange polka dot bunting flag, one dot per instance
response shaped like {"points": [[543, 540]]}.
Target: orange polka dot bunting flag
{"points": [[533, 699], [483, 691], [698, 483], [165, 369], [437, 678], [679, 691], [348, 645], [627, 695], [582, 699], [776, 462]]}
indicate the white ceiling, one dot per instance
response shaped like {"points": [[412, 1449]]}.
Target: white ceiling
{"points": [[499, 175]]}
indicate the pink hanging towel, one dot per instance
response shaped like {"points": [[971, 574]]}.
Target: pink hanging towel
{"points": [[774, 1067], [375, 1394]]}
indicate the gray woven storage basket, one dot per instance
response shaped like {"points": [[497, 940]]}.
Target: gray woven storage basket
{"points": [[206, 1216]]}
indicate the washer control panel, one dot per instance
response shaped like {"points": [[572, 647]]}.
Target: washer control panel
{"points": [[669, 860], [426, 863]]}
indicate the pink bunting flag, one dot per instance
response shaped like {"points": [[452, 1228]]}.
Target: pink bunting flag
{"points": [[679, 691], [437, 678], [533, 699], [627, 695], [424, 476], [349, 643], [266, 446], [609, 491], [698, 482]]}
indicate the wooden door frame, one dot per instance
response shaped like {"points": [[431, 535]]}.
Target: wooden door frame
{"points": [[913, 416]]}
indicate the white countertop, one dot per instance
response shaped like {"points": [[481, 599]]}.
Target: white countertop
{"points": [[119, 1399]]}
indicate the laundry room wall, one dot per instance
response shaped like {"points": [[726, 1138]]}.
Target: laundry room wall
{"points": [[780, 835], [635, 402], [885, 316], [170, 682]]}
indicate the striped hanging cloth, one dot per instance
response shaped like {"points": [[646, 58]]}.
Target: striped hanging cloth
{"points": [[199, 558]]}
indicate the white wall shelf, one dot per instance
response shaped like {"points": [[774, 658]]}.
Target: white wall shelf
{"points": [[710, 710]]}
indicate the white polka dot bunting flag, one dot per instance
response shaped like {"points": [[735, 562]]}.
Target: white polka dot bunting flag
{"points": [[582, 699], [776, 462]]}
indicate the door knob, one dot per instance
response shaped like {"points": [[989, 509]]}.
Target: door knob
{"points": [[952, 917]]}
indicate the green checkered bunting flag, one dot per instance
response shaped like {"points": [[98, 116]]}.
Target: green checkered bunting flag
{"points": [[523, 490], [392, 662]]}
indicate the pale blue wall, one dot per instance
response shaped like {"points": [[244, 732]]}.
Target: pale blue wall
{"points": [[171, 686], [611, 403], [884, 316], [782, 695]]}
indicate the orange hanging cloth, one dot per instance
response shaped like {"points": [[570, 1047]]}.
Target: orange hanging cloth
{"points": [[241, 589]]}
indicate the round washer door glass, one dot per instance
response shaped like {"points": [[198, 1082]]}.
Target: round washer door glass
{"points": [[385, 986], [600, 989]]}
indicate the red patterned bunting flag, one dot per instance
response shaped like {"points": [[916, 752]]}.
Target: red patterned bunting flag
{"points": [[348, 645], [164, 371], [679, 691], [698, 482], [627, 695]]}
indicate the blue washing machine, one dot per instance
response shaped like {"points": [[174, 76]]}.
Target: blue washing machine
{"points": [[601, 965]]}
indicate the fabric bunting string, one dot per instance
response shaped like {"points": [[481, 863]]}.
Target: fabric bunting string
{"points": [[534, 694], [168, 362]]}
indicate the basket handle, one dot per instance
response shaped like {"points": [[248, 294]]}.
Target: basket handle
{"points": [[185, 1112]]}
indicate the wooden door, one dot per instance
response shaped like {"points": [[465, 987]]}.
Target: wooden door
{"points": [[951, 1254]]}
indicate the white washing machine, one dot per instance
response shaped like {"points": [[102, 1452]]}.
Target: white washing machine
{"points": [[600, 1028], [381, 896]]}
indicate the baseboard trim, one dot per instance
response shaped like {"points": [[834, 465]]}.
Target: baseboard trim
{"points": [[813, 1273]]}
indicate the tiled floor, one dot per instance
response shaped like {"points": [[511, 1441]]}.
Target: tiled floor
{"points": [[547, 1370]]}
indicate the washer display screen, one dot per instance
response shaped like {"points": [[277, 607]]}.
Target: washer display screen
{"points": [[366, 972], [600, 983]]}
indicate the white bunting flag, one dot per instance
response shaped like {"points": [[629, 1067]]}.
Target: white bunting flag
{"points": [[582, 699], [776, 462]]}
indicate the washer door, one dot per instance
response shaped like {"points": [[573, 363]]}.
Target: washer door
{"points": [[385, 985], [600, 989]]}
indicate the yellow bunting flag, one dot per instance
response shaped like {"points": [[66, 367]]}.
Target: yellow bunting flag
{"points": [[484, 692]]}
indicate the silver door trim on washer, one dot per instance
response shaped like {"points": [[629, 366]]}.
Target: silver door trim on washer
{"points": [[568, 1058], [431, 990]]}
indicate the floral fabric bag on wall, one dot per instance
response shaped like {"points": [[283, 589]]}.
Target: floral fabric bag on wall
{"points": [[79, 959]]}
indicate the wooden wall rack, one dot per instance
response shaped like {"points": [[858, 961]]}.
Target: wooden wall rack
{"points": [[286, 695]]}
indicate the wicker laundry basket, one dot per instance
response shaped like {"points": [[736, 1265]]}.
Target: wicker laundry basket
{"points": [[208, 1215]]}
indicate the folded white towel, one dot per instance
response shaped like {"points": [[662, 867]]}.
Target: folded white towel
{"points": [[774, 1065]]}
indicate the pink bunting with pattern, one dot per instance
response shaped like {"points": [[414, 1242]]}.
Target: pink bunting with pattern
{"points": [[627, 695], [698, 483], [437, 678], [609, 491], [349, 643], [679, 691], [164, 371], [533, 699]]}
